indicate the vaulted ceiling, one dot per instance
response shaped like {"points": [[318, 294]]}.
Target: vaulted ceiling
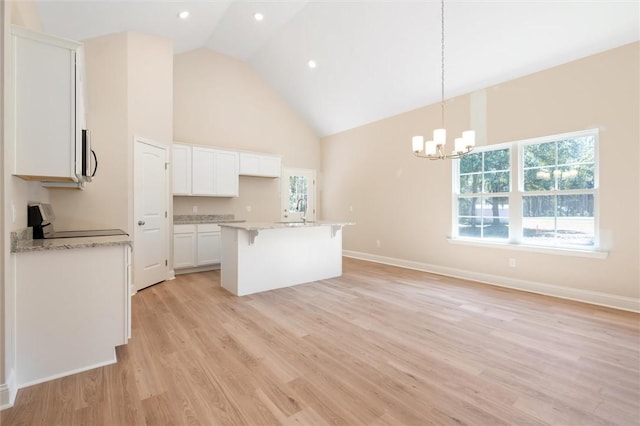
{"points": [[374, 58]]}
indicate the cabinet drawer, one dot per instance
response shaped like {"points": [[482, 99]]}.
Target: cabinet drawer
{"points": [[184, 229], [208, 227]]}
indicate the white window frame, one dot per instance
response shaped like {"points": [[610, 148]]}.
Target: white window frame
{"points": [[517, 193], [457, 195]]}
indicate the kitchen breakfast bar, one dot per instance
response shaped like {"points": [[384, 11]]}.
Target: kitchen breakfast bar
{"points": [[257, 257]]}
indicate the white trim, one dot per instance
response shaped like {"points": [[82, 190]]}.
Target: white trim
{"points": [[561, 251], [70, 372], [586, 296], [8, 391]]}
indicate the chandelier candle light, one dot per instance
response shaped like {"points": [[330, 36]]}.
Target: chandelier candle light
{"points": [[434, 149]]}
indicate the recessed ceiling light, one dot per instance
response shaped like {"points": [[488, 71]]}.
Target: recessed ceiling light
{"points": [[312, 64], [184, 14], [258, 16]]}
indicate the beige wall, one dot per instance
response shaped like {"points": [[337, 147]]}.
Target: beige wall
{"points": [[129, 94], [220, 101], [104, 202], [405, 202]]}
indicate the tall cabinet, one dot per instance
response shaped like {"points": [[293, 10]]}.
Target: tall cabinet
{"points": [[47, 106]]}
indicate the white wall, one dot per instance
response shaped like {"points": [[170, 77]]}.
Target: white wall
{"points": [[129, 93], [405, 202], [220, 101]]}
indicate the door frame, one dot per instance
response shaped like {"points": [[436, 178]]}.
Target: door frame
{"points": [[168, 206]]}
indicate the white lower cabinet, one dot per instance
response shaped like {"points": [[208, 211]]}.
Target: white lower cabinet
{"points": [[208, 244], [195, 246], [184, 246], [72, 310]]}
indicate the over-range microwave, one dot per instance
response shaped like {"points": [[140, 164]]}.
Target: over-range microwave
{"points": [[86, 165]]}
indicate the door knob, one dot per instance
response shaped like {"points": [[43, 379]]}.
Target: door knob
{"points": [[140, 222]]}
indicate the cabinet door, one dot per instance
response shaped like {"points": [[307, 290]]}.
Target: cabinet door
{"points": [[259, 165], [184, 250], [44, 103], [208, 248], [202, 168], [249, 164], [270, 166], [226, 173], [181, 170]]}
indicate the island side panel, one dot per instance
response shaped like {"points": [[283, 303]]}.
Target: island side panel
{"points": [[285, 257], [229, 258]]}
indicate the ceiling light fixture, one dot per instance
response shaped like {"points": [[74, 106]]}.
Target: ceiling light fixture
{"points": [[434, 149], [312, 64], [258, 16], [184, 14]]}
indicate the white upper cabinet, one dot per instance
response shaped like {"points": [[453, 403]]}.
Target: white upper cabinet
{"points": [[47, 106], [181, 169], [198, 170], [263, 165], [226, 168], [203, 163]]}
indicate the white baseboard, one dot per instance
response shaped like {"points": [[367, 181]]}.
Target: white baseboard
{"points": [[181, 271], [70, 372], [586, 296], [8, 391]]}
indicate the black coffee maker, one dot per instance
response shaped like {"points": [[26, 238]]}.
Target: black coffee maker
{"points": [[40, 217]]}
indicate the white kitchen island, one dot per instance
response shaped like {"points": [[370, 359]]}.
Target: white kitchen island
{"points": [[257, 257]]}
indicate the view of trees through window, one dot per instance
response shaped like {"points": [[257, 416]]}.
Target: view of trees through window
{"points": [[298, 188], [483, 204], [555, 195], [558, 201]]}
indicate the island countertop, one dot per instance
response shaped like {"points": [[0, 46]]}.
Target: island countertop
{"points": [[260, 226]]}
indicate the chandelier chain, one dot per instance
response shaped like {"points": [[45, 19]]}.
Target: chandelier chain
{"points": [[442, 61]]}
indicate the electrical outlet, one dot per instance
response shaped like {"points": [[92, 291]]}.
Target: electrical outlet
{"points": [[378, 243], [195, 209], [248, 209], [351, 208], [512, 262]]}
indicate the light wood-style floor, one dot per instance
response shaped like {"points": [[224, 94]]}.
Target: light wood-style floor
{"points": [[378, 346]]}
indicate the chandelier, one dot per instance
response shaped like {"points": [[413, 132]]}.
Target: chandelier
{"points": [[435, 149]]}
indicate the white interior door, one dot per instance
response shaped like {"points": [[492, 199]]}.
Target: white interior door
{"points": [[150, 246], [298, 195]]}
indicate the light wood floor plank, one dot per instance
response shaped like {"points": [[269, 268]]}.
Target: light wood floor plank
{"points": [[378, 346]]}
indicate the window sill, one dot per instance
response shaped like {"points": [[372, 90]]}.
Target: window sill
{"points": [[593, 254]]}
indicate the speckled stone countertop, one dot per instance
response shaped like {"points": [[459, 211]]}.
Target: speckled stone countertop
{"points": [[189, 219], [259, 226], [22, 242]]}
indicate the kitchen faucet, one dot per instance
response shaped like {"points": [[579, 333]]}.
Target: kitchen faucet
{"points": [[304, 215]]}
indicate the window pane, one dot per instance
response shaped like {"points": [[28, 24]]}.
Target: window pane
{"points": [[471, 163], [538, 155], [297, 194], [495, 217], [496, 182], [469, 227], [497, 160], [580, 176], [565, 220], [470, 184], [467, 206], [539, 206], [577, 150], [539, 179], [580, 205]]}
